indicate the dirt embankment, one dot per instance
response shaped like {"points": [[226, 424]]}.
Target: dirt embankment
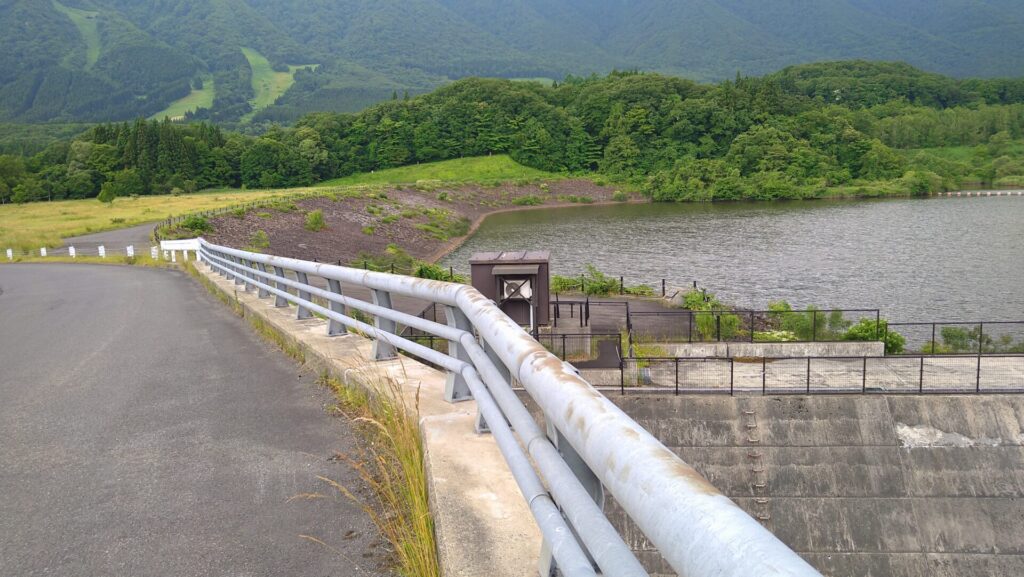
{"points": [[426, 222]]}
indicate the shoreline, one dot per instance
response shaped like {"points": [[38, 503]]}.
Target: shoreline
{"points": [[453, 244]]}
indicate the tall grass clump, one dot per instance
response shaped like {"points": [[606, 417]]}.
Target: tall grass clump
{"points": [[393, 465], [315, 220]]}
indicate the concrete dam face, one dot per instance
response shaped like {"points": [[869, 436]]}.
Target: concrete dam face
{"points": [[860, 486]]}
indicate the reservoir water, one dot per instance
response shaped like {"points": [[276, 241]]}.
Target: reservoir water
{"points": [[939, 259]]}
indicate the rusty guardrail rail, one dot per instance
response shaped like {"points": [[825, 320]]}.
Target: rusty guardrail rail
{"points": [[586, 445]]}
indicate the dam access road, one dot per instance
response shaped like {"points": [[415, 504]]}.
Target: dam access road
{"points": [[146, 430]]}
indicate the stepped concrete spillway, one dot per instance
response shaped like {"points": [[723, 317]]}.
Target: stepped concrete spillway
{"points": [[901, 486]]}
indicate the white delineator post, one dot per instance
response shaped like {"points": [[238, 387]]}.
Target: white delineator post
{"points": [[42, 251], [103, 251], [174, 256], [10, 254], [154, 252], [71, 251], [131, 251]]}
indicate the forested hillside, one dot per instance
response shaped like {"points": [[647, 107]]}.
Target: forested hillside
{"points": [[803, 132], [104, 60]]}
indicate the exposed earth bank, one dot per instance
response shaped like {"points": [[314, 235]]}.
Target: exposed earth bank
{"points": [[424, 220]]}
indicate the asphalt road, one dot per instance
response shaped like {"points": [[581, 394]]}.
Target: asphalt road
{"points": [[138, 235], [145, 430]]}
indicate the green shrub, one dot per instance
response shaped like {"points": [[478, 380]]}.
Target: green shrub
{"points": [[619, 196], [259, 241], [315, 220], [442, 196], [528, 200], [238, 212], [196, 224], [368, 230], [869, 330]]}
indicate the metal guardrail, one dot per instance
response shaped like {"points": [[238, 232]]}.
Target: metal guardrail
{"points": [[588, 444]]}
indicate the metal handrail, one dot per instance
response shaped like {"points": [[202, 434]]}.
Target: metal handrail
{"points": [[594, 444]]}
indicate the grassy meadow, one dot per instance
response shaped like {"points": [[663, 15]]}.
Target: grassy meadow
{"points": [[201, 98], [85, 21], [267, 84], [479, 169], [36, 224]]}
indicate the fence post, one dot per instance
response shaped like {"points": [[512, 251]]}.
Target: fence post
{"points": [[920, 382], [689, 327], [455, 387], [981, 338], [622, 285], [622, 375], [382, 350], [280, 301], [677, 375], [864, 377], [977, 382], [814, 326], [557, 311], [663, 288], [751, 326], [303, 312], [563, 346], [764, 376], [718, 327], [808, 375], [878, 321], [732, 373], [932, 351]]}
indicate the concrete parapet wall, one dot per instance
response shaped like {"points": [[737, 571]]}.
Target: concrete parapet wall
{"points": [[776, 350], [483, 526], [902, 486]]}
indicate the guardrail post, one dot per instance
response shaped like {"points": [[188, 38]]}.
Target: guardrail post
{"points": [[335, 328], [383, 351], [455, 387], [263, 293], [237, 268], [303, 313], [587, 478], [280, 301]]}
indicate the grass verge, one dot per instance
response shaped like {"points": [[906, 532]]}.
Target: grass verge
{"points": [[392, 462], [35, 224], [112, 260]]}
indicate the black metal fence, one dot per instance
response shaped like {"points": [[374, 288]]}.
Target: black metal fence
{"points": [[985, 338], [685, 326], [589, 350], [908, 374]]}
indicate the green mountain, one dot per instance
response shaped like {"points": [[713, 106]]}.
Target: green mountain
{"points": [[96, 60]]}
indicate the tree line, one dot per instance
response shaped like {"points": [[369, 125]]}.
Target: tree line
{"points": [[768, 137]]}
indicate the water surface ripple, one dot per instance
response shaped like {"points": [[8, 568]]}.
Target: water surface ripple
{"points": [[956, 259]]}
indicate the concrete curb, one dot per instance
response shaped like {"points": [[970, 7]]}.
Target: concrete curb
{"points": [[483, 526]]}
